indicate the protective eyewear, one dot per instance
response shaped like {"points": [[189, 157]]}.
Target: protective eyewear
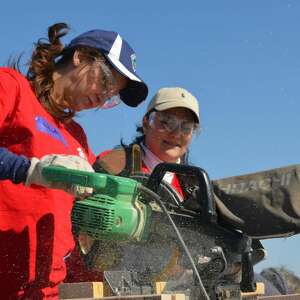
{"points": [[164, 122], [109, 88], [111, 102]]}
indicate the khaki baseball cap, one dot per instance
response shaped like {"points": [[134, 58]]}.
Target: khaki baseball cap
{"points": [[172, 97]]}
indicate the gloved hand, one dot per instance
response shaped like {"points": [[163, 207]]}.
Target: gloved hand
{"points": [[35, 176]]}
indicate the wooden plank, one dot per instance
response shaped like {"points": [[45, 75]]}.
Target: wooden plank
{"points": [[260, 290], [281, 297], [96, 290], [81, 290], [145, 297], [138, 297]]}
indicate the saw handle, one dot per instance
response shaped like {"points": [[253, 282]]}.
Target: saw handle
{"points": [[204, 194], [104, 183], [71, 176]]}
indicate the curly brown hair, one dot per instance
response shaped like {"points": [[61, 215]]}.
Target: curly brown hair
{"points": [[47, 56]]}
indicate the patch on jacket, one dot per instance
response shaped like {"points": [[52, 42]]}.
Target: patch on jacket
{"points": [[43, 126]]}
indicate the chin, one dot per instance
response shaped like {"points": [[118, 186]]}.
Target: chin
{"points": [[171, 158]]}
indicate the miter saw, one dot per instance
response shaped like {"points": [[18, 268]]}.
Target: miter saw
{"points": [[140, 233]]}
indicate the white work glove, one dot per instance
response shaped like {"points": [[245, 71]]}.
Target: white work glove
{"points": [[35, 176]]}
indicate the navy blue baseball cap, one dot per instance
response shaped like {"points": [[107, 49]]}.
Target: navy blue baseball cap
{"points": [[121, 56]]}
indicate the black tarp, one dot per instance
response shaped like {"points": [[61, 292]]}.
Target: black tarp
{"points": [[263, 204]]}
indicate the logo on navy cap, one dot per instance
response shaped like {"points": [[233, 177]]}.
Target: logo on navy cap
{"points": [[133, 61]]}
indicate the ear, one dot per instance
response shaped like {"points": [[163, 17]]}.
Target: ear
{"points": [[145, 124], [76, 58]]}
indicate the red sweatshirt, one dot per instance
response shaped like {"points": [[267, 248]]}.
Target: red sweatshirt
{"points": [[35, 224]]}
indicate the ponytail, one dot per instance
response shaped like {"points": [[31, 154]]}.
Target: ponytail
{"points": [[42, 65]]}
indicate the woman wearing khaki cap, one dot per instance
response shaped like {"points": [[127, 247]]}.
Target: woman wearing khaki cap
{"points": [[171, 120], [168, 126]]}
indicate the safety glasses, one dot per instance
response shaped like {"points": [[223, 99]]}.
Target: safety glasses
{"points": [[109, 88], [111, 102], [165, 122]]}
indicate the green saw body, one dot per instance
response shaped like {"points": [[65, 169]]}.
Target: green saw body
{"points": [[113, 212]]}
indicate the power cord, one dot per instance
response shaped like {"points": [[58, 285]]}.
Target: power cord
{"points": [[157, 198]]}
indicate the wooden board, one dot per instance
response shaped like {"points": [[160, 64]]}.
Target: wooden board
{"points": [[96, 290]]}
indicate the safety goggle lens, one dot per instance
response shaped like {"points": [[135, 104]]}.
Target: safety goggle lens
{"points": [[169, 123], [111, 102]]}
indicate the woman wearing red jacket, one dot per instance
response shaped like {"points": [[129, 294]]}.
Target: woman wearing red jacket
{"points": [[96, 69]]}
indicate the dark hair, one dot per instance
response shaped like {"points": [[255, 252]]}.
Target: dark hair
{"points": [[46, 57], [14, 62]]}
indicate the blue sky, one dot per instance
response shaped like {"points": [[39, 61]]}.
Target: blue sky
{"points": [[241, 59]]}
